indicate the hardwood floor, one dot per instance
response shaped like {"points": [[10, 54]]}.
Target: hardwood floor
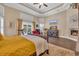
{"points": [[63, 42]]}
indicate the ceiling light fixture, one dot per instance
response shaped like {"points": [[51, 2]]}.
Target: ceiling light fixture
{"points": [[41, 4]]}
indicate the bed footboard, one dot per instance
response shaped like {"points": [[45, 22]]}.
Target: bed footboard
{"points": [[46, 51], [34, 54]]}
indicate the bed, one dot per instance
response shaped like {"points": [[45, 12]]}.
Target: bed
{"points": [[25, 45], [16, 46], [40, 43]]}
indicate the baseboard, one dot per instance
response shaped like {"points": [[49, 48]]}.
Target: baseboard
{"points": [[69, 38]]}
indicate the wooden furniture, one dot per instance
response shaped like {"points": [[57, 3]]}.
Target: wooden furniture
{"points": [[33, 25], [53, 33], [19, 26]]}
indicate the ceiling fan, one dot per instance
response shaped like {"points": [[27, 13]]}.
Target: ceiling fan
{"points": [[40, 4]]}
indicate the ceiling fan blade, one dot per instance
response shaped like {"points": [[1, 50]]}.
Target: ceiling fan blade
{"points": [[35, 3], [45, 5], [39, 6]]}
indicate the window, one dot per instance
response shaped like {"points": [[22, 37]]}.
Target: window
{"points": [[28, 27], [1, 19], [1, 25], [42, 28]]}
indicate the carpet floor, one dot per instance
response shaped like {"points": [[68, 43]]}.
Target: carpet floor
{"points": [[55, 50]]}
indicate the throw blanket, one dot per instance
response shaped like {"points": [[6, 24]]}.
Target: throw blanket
{"points": [[40, 43], [16, 46]]}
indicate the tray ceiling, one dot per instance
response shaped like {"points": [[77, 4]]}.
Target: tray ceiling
{"points": [[29, 8], [43, 9]]}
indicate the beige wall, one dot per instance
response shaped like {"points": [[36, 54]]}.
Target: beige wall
{"points": [[61, 17], [70, 25], [64, 23], [10, 18]]}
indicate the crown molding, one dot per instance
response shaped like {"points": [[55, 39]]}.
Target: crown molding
{"points": [[36, 10], [26, 10]]}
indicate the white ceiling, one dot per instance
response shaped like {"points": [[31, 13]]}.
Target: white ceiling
{"points": [[43, 9], [29, 8]]}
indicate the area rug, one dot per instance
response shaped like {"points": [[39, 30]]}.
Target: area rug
{"points": [[59, 51]]}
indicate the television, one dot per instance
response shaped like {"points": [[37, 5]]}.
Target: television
{"points": [[52, 21]]}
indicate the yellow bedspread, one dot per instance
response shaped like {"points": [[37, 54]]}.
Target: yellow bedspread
{"points": [[16, 46]]}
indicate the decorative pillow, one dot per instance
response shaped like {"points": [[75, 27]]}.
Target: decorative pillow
{"points": [[1, 37]]}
